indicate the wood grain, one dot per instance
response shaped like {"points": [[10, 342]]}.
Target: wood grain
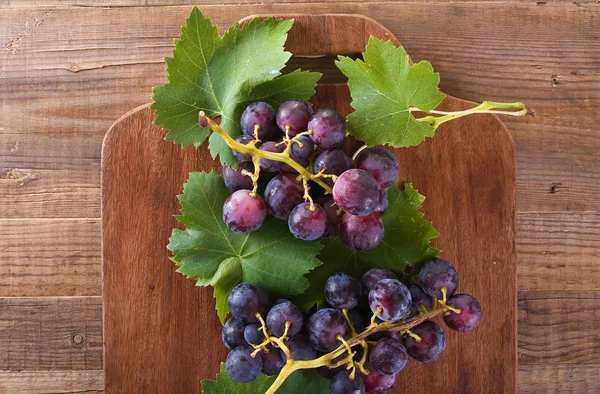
{"points": [[51, 382], [565, 379]]}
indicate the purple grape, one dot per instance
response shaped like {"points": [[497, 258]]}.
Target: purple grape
{"points": [[270, 165], [328, 127], [306, 224], [386, 334], [470, 315], [342, 384], [243, 139], [282, 313], [246, 300], [376, 383], [432, 345], [356, 192], [419, 297], [393, 297], [357, 320], [374, 275], [342, 291], [361, 233], [263, 115], [334, 215], [304, 152], [253, 334], [383, 203], [295, 115], [283, 194], [233, 333], [435, 275], [388, 356], [241, 366], [324, 327], [380, 163], [300, 348], [333, 162], [235, 180], [244, 213], [272, 362]]}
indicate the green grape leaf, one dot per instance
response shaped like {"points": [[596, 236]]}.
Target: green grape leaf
{"points": [[406, 242], [221, 75], [384, 86], [210, 253], [299, 382]]}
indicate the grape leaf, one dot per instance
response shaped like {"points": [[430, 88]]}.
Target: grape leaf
{"points": [[210, 253], [222, 75], [405, 243], [299, 382], [383, 87]]}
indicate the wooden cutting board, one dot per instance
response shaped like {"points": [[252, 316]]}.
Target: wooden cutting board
{"points": [[161, 333]]}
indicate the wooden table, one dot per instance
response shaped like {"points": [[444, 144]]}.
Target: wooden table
{"points": [[69, 68]]}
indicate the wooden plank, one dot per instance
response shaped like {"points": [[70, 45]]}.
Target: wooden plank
{"points": [[559, 327], [51, 382], [565, 379], [53, 333], [50, 257]]}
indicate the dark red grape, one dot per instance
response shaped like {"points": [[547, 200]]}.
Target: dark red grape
{"points": [[356, 192], [436, 274], [302, 153], [270, 165], [432, 345], [374, 275], [300, 348], [328, 127], [419, 297], [235, 180], [357, 320], [241, 366], [342, 291], [246, 300], [244, 212], [295, 115], [388, 356], [383, 203], [393, 297], [380, 163], [361, 233], [263, 115], [307, 224], [376, 383], [283, 194], [333, 162], [233, 333], [243, 139], [253, 334], [324, 327], [342, 384], [386, 334], [470, 315], [282, 313], [334, 215], [272, 362]]}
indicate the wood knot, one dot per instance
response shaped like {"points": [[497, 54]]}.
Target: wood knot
{"points": [[554, 187], [78, 339]]}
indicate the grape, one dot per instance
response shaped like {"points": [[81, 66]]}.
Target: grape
{"points": [[243, 139], [393, 297], [388, 356], [323, 328], [270, 165], [342, 384], [240, 365], [304, 152], [432, 345], [244, 213], [282, 313], [300, 348], [342, 291], [333, 217], [419, 297], [376, 383], [380, 163], [246, 300], [333, 162], [272, 362], [356, 192], [235, 180], [306, 224], [386, 334], [383, 203], [436, 274], [253, 334], [361, 233], [374, 275], [233, 333], [283, 194], [470, 315], [357, 321], [295, 115], [329, 128], [263, 115]]}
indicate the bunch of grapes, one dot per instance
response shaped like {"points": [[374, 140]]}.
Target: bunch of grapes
{"points": [[362, 341], [313, 140]]}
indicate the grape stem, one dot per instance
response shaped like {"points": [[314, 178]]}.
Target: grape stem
{"points": [[486, 107], [254, 152]]}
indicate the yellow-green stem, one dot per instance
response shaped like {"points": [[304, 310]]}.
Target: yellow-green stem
{"points": [[486, 107]]}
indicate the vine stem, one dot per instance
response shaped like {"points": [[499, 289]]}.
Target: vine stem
{"points": [[253, 151], [486, 107]]}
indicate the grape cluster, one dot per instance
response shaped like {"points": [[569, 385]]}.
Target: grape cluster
{"points": [[356, 356], [312, 139]]}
